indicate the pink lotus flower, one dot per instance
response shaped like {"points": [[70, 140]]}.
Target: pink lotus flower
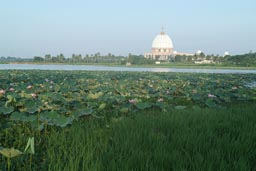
{"points": [[234, 88], [2, 91], [33, 95], [160, 100], [211, 96], [29, 87], [11, 89], [132, 101]]}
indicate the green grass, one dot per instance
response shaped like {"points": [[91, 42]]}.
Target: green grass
{"points": [[208, 139], [194, 140], [77, 148]]}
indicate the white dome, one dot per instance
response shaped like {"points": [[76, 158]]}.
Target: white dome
{"points": [[226, 53], [162, 41], [198, 52]]}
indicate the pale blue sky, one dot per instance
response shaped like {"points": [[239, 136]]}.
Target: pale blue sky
{"points": [[38, 27]]}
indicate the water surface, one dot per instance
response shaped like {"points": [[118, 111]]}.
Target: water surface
{"points": [[110, 68]]}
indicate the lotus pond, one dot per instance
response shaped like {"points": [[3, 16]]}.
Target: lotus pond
{"points": [[37, 103]]}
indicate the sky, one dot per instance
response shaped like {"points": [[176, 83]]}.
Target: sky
{"points": [[34, 28]]}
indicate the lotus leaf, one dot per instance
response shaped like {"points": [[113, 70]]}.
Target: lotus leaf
{"points": [[78, 93], [124, 110], [31, 107], [82, 112], [10, 152], [20, 116], [62, 121], [94, 96], [180, 107], [53, 118], [6, 110], [210, 103], [143, 105], [102, 106]]}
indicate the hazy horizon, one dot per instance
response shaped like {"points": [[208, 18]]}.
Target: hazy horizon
{"points": [[30, 28]]}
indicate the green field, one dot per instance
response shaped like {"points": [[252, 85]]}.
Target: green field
{"points": [[83, 120]]}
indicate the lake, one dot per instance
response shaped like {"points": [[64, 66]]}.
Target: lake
{"points": [[110, 68]]}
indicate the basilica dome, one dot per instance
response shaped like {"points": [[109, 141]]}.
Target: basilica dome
{"points": [[162, 48], [162, 41]]}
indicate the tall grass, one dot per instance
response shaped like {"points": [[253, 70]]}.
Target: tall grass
{"points": [[77, 148], [207, 139]]}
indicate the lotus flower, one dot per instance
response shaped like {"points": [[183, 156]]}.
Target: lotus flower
{"points": [[33, 95], [11, 89], [160, 100], [234, 88], [132, 101], [211, 96], [2, 91], [29, 87]]}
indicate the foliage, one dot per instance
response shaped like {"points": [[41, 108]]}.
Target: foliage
{"points": [[38, 59], [11, 152], [196, 139], [42, 104], [137, 60], [58, 98], [241, 60], [204, 139]]}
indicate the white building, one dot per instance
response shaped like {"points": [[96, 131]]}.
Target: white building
{"points": [[182, 53], [199, 52], [226, 54], [162, 48]]}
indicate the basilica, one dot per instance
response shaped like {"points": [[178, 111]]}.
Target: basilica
{"points": [[162, 48]]}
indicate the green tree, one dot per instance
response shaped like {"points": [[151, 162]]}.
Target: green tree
{"points": [[47, 58], [38, 59], [60, 58]]}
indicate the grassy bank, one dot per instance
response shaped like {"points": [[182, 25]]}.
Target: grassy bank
{"points": [[204, 139]]}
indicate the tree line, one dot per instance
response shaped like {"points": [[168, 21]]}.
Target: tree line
{"points": [[248, 59], [94, 59]]}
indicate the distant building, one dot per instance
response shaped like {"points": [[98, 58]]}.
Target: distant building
{"points": [[162, 48], [199, 52], [182, 53], [226, 54], [128, 64], [205, 61]]}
